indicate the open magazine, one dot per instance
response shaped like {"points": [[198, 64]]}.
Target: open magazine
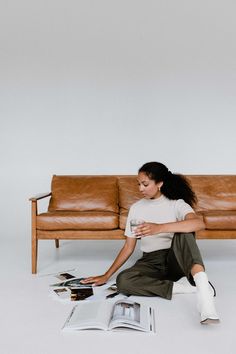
{"points": [[109, 315]]}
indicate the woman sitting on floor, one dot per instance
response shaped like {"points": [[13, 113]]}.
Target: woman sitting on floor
{"points": [[171, 261]]}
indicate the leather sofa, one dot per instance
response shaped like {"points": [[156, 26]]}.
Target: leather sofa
{"points": [[96, 207]]}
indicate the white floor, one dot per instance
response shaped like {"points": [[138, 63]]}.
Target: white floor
{"points": [[31, 321]]}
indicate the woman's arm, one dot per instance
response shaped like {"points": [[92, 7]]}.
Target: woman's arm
{"points": [[121, 258], [191, 223]]}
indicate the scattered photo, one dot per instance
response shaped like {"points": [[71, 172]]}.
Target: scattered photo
{"points": [[65, 276], [80, 294], [62, 293]]}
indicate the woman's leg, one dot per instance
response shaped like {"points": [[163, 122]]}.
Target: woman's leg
{"points": [[206, 303], [184, 257], [185, 252], [148, 277]]}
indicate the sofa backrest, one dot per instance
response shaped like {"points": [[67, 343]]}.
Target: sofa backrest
{"points": [[214, 192], [116, 193], [84, 193]]}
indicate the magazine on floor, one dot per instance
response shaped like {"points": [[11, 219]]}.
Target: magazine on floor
{"points": [[71, 289], [72, 283], [110, 315]]}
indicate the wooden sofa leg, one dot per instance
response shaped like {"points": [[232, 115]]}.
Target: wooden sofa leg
{"points": [[57, 243], [34, 254], [34, 240]]}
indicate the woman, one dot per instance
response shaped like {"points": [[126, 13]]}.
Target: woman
{"points": [[170, 252]]}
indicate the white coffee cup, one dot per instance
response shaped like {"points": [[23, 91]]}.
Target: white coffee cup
{"points": [[133, 224]]}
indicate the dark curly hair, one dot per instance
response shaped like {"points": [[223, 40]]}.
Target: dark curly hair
{"points": [[175, 186]]}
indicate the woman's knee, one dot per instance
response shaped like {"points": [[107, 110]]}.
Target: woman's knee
{"points": [[183, 238], [185, 234], [125, 280], [122, 281]]}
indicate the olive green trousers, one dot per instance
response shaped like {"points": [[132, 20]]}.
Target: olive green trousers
{"points": [[155, 272]]}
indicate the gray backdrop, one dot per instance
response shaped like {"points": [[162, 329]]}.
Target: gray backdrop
{"points": [[93, 87]]}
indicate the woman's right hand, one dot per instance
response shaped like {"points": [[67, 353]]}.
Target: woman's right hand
{"points": [[95, 281], [122, 257]]}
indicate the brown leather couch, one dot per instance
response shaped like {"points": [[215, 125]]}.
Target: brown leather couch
{"points": [[96, 207]]}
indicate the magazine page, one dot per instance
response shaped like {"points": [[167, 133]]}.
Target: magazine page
{"points": [[74, 282], [132, 314], [90, 315]]}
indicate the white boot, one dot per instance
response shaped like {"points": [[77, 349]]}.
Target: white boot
{"points": [[205, 297], [182, 286]]}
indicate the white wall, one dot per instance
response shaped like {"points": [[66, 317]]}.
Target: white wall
{"points": [[104, 86]]}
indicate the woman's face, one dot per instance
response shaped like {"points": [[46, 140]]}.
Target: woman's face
{"points": [[148, 187]]}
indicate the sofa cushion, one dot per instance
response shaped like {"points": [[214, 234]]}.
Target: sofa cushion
{"points": [[128, 194], [214, 192], [73, 220], [128, 191], [123, 219], [219, 219], [84, 193], [214, 220]]}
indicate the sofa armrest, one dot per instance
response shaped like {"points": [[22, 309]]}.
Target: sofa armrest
{"points": [[40, 196], [34, 213]]}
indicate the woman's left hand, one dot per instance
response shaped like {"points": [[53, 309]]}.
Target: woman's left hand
{"points": [[147, 229]]}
